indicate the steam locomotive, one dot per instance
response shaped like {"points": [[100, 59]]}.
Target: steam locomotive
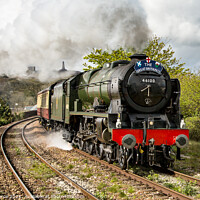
{"points": [[126, 111]]}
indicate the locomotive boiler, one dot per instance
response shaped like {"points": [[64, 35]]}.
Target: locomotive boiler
{"points": [[126, 111]]}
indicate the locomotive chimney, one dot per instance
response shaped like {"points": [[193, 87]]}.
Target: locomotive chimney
{"points": [[138, 56]]}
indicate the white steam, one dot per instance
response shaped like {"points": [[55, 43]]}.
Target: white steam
{"points": [[45, 32], [54, 139]]}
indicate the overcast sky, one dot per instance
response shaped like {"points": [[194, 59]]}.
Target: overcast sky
{"points": [[179, 21], [45, 32]]}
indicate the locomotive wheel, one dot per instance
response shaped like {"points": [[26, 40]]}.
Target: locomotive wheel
{"points": [[89, 147], [98, 151], [109, 157], [122, 157], [81, 144]]}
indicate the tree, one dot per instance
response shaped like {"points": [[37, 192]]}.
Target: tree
{"points": [[98, 57], [156, 49], [190, 107], [190, 94], [5, 113]]}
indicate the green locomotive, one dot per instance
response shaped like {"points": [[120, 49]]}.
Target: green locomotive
{"points": [[125, 111]]}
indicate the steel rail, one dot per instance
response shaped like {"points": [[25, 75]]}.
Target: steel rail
{"points": [[135, 177], [186, 177], [18, 179], [177, 174], [77, 186]]}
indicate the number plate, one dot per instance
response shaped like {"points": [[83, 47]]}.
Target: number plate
{"points": [[148, 80]]}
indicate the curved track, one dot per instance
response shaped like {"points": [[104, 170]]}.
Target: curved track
{"points": [[81, 189], [21, 183], [25, 189], [145, 181]]}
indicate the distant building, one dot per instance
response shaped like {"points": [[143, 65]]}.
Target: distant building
{"points": [[31, 70], [63, 68], [4, 76], [26, 108]]}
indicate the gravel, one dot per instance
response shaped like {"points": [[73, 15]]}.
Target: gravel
{"points": [[100, 181], [37, 177]]}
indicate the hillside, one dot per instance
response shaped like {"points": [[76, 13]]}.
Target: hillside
{"points": [[18, 92]]}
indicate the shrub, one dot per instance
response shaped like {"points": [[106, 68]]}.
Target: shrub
{"points": [[18, 117], [5, 113], [193, 124]]}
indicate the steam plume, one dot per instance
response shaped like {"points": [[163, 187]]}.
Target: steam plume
{"points": [[54, 139], [43, 33]]}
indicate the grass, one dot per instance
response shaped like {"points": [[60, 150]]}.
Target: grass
{"points": [[18, 152], [87, 169], [102, 186], [114, 188], [64, 193], [186, 188], [70, 166], [113, 180], [113, 174], [152, 176], [191, 159], [122, 194], [182, 186], [101, 193], [9, 173], [89, 175], [131, 190], [43, 188], [85, 161], [140, 170], [41, 171]]}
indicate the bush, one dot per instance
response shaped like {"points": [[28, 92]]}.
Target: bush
{"points": [[18, 117], [5, 113], [193, 124]]}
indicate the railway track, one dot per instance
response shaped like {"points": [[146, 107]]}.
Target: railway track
{"points": [[85, 192], [177, 174], [168, 192], [140, 179], [18, 179], [186, 177], [23, 183], [141, 190]]}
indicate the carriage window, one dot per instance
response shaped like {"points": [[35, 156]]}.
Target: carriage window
{"points": [[44, 97]]}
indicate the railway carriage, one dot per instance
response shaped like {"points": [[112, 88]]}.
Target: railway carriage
{"points": [[126, 111], [43, 105]]}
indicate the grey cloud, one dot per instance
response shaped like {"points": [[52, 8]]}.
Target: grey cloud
{"points": [[43, 33]]}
